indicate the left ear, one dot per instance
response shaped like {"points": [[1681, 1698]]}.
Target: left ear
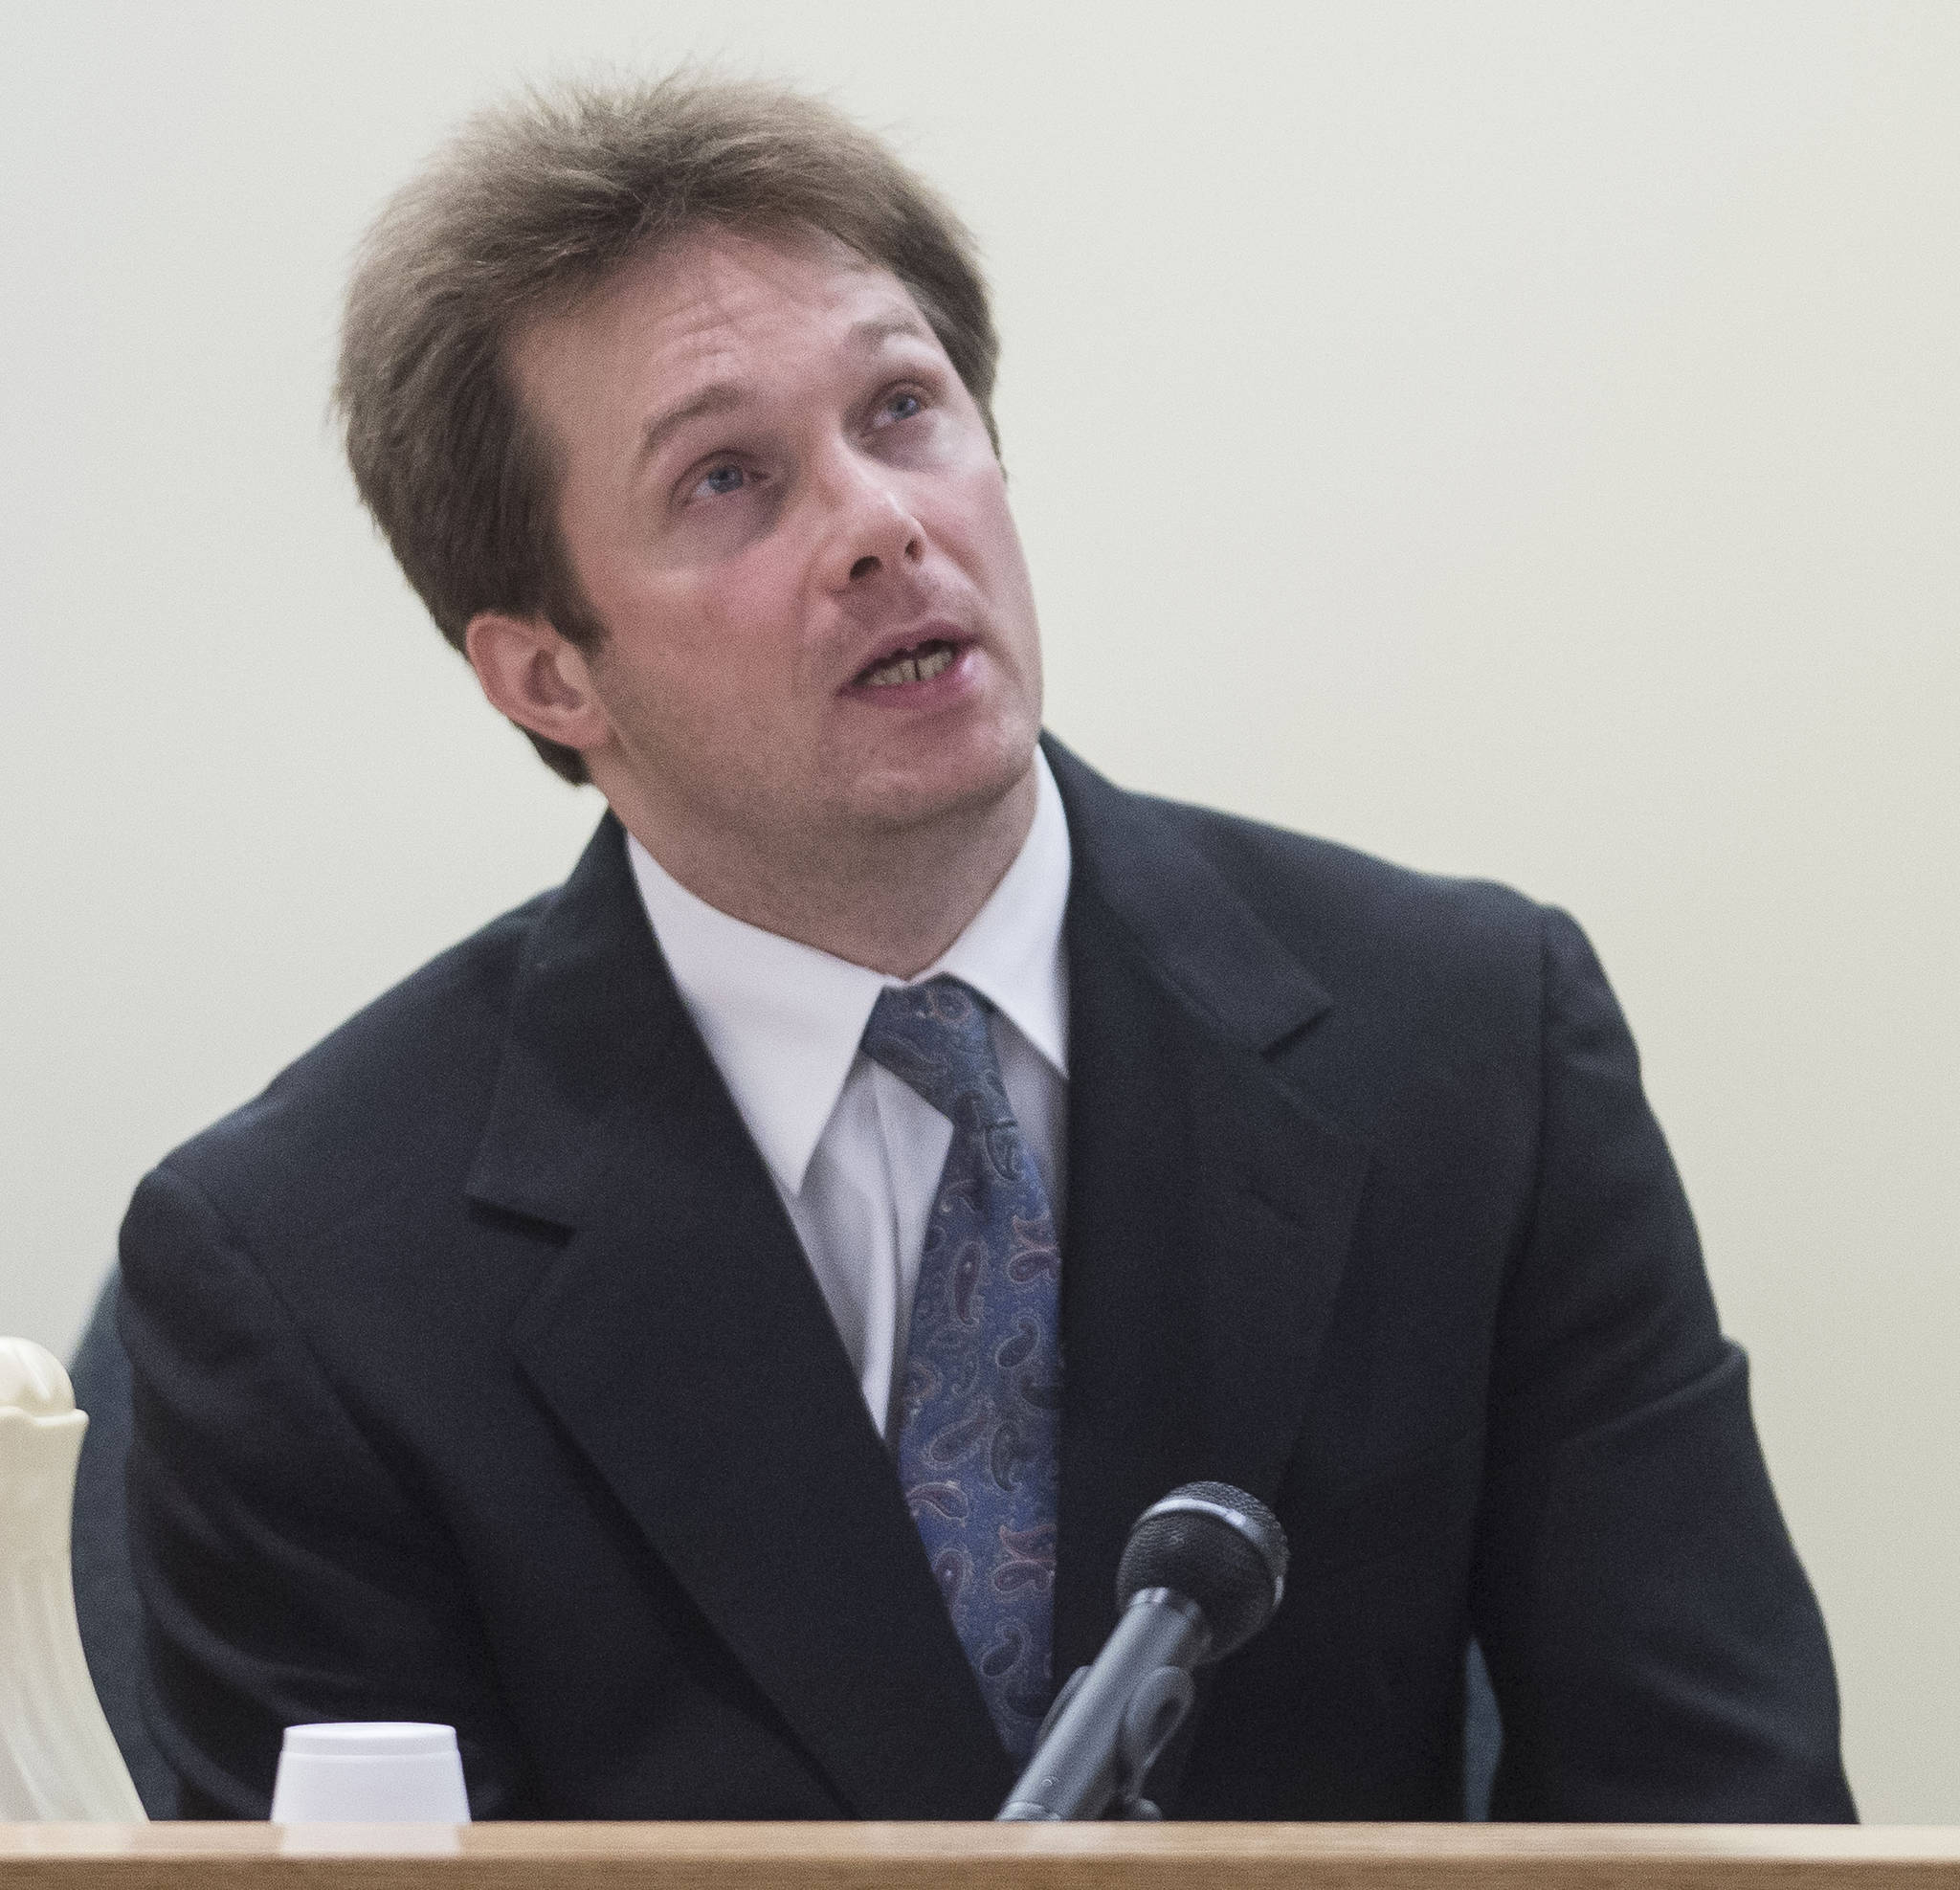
{"points": [[532, 673]]}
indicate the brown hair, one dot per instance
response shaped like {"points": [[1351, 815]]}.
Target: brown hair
{"points": [[524, 213]]}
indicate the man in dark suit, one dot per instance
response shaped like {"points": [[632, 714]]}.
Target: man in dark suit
{"points": [[554, 1350]]}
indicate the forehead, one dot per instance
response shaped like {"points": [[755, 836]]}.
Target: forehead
{"points": [[706, 306]]}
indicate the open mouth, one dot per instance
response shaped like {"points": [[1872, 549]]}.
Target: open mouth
{"points": [[920, 663]]}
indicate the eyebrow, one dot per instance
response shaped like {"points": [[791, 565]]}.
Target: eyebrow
{"points": [[717, 397], [874, 329], [724, 396]]}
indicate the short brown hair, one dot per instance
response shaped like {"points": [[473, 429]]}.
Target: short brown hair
{"points": [[526, 213]]}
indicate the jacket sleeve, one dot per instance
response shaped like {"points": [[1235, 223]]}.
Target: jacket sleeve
{"points": [[286, 1575], [1656, 1649]]}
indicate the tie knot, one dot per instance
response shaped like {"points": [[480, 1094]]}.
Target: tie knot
{"points": [[934, 1038]]}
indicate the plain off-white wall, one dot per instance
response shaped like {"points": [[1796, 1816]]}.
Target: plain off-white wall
{"points": [[1520, 439]]}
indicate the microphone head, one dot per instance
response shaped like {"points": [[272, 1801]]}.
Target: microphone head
{"points": [[1218, 1546]]}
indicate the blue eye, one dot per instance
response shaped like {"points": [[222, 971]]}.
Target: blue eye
{"points": [[903, 406], [722, 479]]}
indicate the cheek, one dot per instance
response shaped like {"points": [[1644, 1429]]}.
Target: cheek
{"points": [[743, 630], [999, 553], [717, 653], [978, 526]]}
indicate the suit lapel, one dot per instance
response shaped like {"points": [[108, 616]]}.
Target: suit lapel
{"points": [[683, 1344], [1209, 1207]]}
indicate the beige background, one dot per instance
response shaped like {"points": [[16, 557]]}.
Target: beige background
{"points": [[1518, 439]]}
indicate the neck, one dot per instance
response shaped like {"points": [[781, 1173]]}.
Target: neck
{"points": [[893, 901]]}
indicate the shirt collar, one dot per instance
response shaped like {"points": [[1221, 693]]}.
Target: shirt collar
{"points": [[782, 1021]]}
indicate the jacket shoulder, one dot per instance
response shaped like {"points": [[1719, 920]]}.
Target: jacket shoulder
{"points": [[1343, 909], [398, 1091]]}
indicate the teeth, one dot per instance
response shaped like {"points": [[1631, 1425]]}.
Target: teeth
{"points": [[911, 669]]}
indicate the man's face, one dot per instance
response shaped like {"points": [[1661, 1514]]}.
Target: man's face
{"points": [[782, 506]]}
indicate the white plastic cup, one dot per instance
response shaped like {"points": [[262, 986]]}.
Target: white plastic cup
{"points": [[382, 1772]]}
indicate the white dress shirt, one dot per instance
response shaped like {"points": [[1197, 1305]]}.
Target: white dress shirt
{"points": [[854, 1152]]}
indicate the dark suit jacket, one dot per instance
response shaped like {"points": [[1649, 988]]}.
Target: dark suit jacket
{"points": [[480, 1378]]}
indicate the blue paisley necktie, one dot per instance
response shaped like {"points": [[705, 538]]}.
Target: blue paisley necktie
{"points": [[980, 1406]]}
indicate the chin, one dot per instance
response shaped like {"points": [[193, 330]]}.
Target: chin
{"points": [[944, 787]]}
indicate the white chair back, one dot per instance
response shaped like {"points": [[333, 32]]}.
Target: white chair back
{"points": [[58, 1758]]}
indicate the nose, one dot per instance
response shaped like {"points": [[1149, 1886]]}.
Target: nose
{"points": [[870, 529]]}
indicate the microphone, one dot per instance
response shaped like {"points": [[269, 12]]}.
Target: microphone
{"points": [[1202, 1572]]}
